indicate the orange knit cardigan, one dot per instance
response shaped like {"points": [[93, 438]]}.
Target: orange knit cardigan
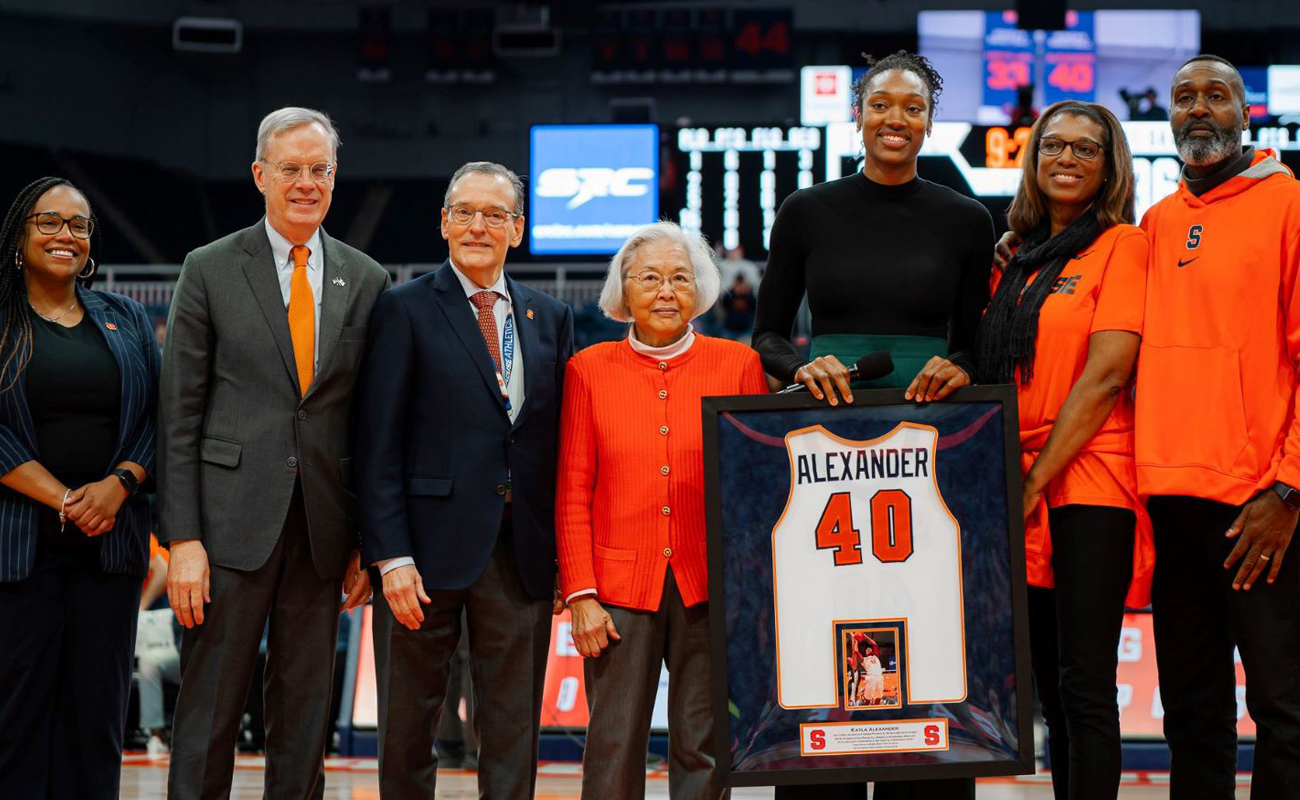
{"points": [[630, 484]]}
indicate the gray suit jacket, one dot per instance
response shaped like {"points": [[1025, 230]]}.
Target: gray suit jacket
{"points": [[234, 435]]}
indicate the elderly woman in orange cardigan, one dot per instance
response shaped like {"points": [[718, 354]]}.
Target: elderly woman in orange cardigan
{"points": [[630, 511]]}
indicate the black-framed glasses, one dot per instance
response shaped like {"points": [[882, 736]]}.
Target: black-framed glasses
{"points": [[289, 171], [50, 223], [1086, 149], [492, 217]]}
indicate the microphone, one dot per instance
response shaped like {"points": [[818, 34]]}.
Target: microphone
{"points": [[873, 365]]}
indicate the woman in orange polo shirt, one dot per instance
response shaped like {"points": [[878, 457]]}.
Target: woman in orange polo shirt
{"points": [[630, 511], [1064, 326]]}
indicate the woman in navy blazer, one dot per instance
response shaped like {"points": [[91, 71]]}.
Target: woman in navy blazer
{"points": [[78, 387]]}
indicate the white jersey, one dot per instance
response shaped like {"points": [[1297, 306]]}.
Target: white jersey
{"points": [[873, 667], [865, 537]]}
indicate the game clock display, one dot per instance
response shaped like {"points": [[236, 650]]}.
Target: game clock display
{"points": [[867, 588]]}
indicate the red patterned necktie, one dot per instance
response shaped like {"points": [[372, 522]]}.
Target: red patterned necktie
{"points": [[487, 324]]}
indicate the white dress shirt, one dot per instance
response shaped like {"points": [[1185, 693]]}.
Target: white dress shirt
{"points": [[281, 251], [501, 310], [664, 353]]}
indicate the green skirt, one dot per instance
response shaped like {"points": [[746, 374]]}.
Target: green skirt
{"points": [[909, 353]]}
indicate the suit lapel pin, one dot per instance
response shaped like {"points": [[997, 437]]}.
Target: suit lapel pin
{"points": [[529, 313], [339, 282], [112, 326]]}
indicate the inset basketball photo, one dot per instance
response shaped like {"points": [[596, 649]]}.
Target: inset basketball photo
{"points": [[870, 660]]}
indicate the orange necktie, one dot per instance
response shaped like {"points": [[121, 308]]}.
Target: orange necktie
{"points": [[302, 319]]}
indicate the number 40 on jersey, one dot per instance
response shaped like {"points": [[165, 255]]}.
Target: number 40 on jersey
{"points": [[891, 528]]}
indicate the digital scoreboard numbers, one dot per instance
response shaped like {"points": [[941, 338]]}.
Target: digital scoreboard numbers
{"points": [[731, 181], [1070, 60], [1065, 60]]}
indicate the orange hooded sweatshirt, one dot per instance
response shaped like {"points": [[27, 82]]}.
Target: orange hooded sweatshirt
{"points": [[1217, 372]]}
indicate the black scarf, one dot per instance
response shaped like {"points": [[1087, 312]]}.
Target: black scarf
{"points": [[1009, 333]]}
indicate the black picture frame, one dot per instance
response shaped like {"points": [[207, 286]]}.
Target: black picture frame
{"points": [[712, 410]]}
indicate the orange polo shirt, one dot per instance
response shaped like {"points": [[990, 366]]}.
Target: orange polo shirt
{"points": [[1101, 289], [630, 485]]}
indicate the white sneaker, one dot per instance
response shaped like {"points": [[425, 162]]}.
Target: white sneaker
{"points": [[156, 747]]}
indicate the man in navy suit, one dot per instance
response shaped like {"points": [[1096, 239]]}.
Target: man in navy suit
{"points": [[457, 421]]}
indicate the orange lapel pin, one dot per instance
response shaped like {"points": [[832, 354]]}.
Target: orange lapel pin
{"points": [[529, 313]]}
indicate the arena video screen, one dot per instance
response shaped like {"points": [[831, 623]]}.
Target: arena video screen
{"points": [[591, 186], [1110, 57]]}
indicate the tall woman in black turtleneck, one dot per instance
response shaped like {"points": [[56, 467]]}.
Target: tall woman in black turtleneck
{"points": [[889, 262]]}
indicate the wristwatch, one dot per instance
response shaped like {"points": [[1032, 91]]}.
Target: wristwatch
{"points": [[1289, 494], [129, 482]]}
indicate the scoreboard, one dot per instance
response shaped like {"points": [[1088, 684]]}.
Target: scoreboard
{"points": [[733, 179], [728, 182]]}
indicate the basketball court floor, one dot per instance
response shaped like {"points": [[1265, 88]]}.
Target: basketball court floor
{"points": [[145, 778]]}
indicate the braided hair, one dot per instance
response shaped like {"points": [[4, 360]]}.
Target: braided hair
{"points": [[914, 63], [16, 329]]}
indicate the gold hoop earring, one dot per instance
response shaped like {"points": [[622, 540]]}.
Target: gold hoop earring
{"points": [[83, 275]]}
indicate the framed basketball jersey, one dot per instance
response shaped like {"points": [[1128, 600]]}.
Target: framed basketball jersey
{"points": [[867, 588]]}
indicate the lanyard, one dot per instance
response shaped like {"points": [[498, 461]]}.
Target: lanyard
{"points": [[507, 357]]}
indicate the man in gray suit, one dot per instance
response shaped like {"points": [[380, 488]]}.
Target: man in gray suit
{"points": [[264, 343]]}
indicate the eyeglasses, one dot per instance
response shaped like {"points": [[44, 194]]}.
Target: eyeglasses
{"points": [[50, 223], [651, 281], [492, 217], [1086, 149], [289, 172]]}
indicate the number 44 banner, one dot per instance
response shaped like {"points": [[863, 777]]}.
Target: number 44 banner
{"points": [[867, 588]]}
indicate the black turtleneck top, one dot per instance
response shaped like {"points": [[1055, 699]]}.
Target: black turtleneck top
{"points": [[906, 260]]}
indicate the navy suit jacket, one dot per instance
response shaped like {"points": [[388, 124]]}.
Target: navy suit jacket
{"points": [[434, 445], [125, 550]]}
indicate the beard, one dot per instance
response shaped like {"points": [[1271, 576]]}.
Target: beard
{"points": [[1200, 152]]}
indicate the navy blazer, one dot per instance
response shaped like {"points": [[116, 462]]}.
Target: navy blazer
{"points": [[125, 549], [434, 445]]}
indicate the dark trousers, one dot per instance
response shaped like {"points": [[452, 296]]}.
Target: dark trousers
{"points": [[1197, 618], [454, 733], [621, 687], [217, 663], [67, 646], [509, 635], [1074, 637], [945, 789]]}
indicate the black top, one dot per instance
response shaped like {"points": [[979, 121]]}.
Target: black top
{"points": [[1230, 168], [907, 260], [74, 394]]}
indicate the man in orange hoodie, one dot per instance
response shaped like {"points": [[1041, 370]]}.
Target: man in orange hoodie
{"points": [[1218, 442]]}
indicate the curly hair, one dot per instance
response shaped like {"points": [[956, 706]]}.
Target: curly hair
{"points": [[914, 63]]}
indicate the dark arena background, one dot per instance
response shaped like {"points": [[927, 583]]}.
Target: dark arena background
{"points": [[705, 113]]}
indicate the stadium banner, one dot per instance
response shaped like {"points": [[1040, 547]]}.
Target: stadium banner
{"points": [[867, 588]]}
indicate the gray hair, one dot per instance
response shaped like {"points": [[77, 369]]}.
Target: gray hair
{"points": [[489, 168], [708, 281], [283, 120]]}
